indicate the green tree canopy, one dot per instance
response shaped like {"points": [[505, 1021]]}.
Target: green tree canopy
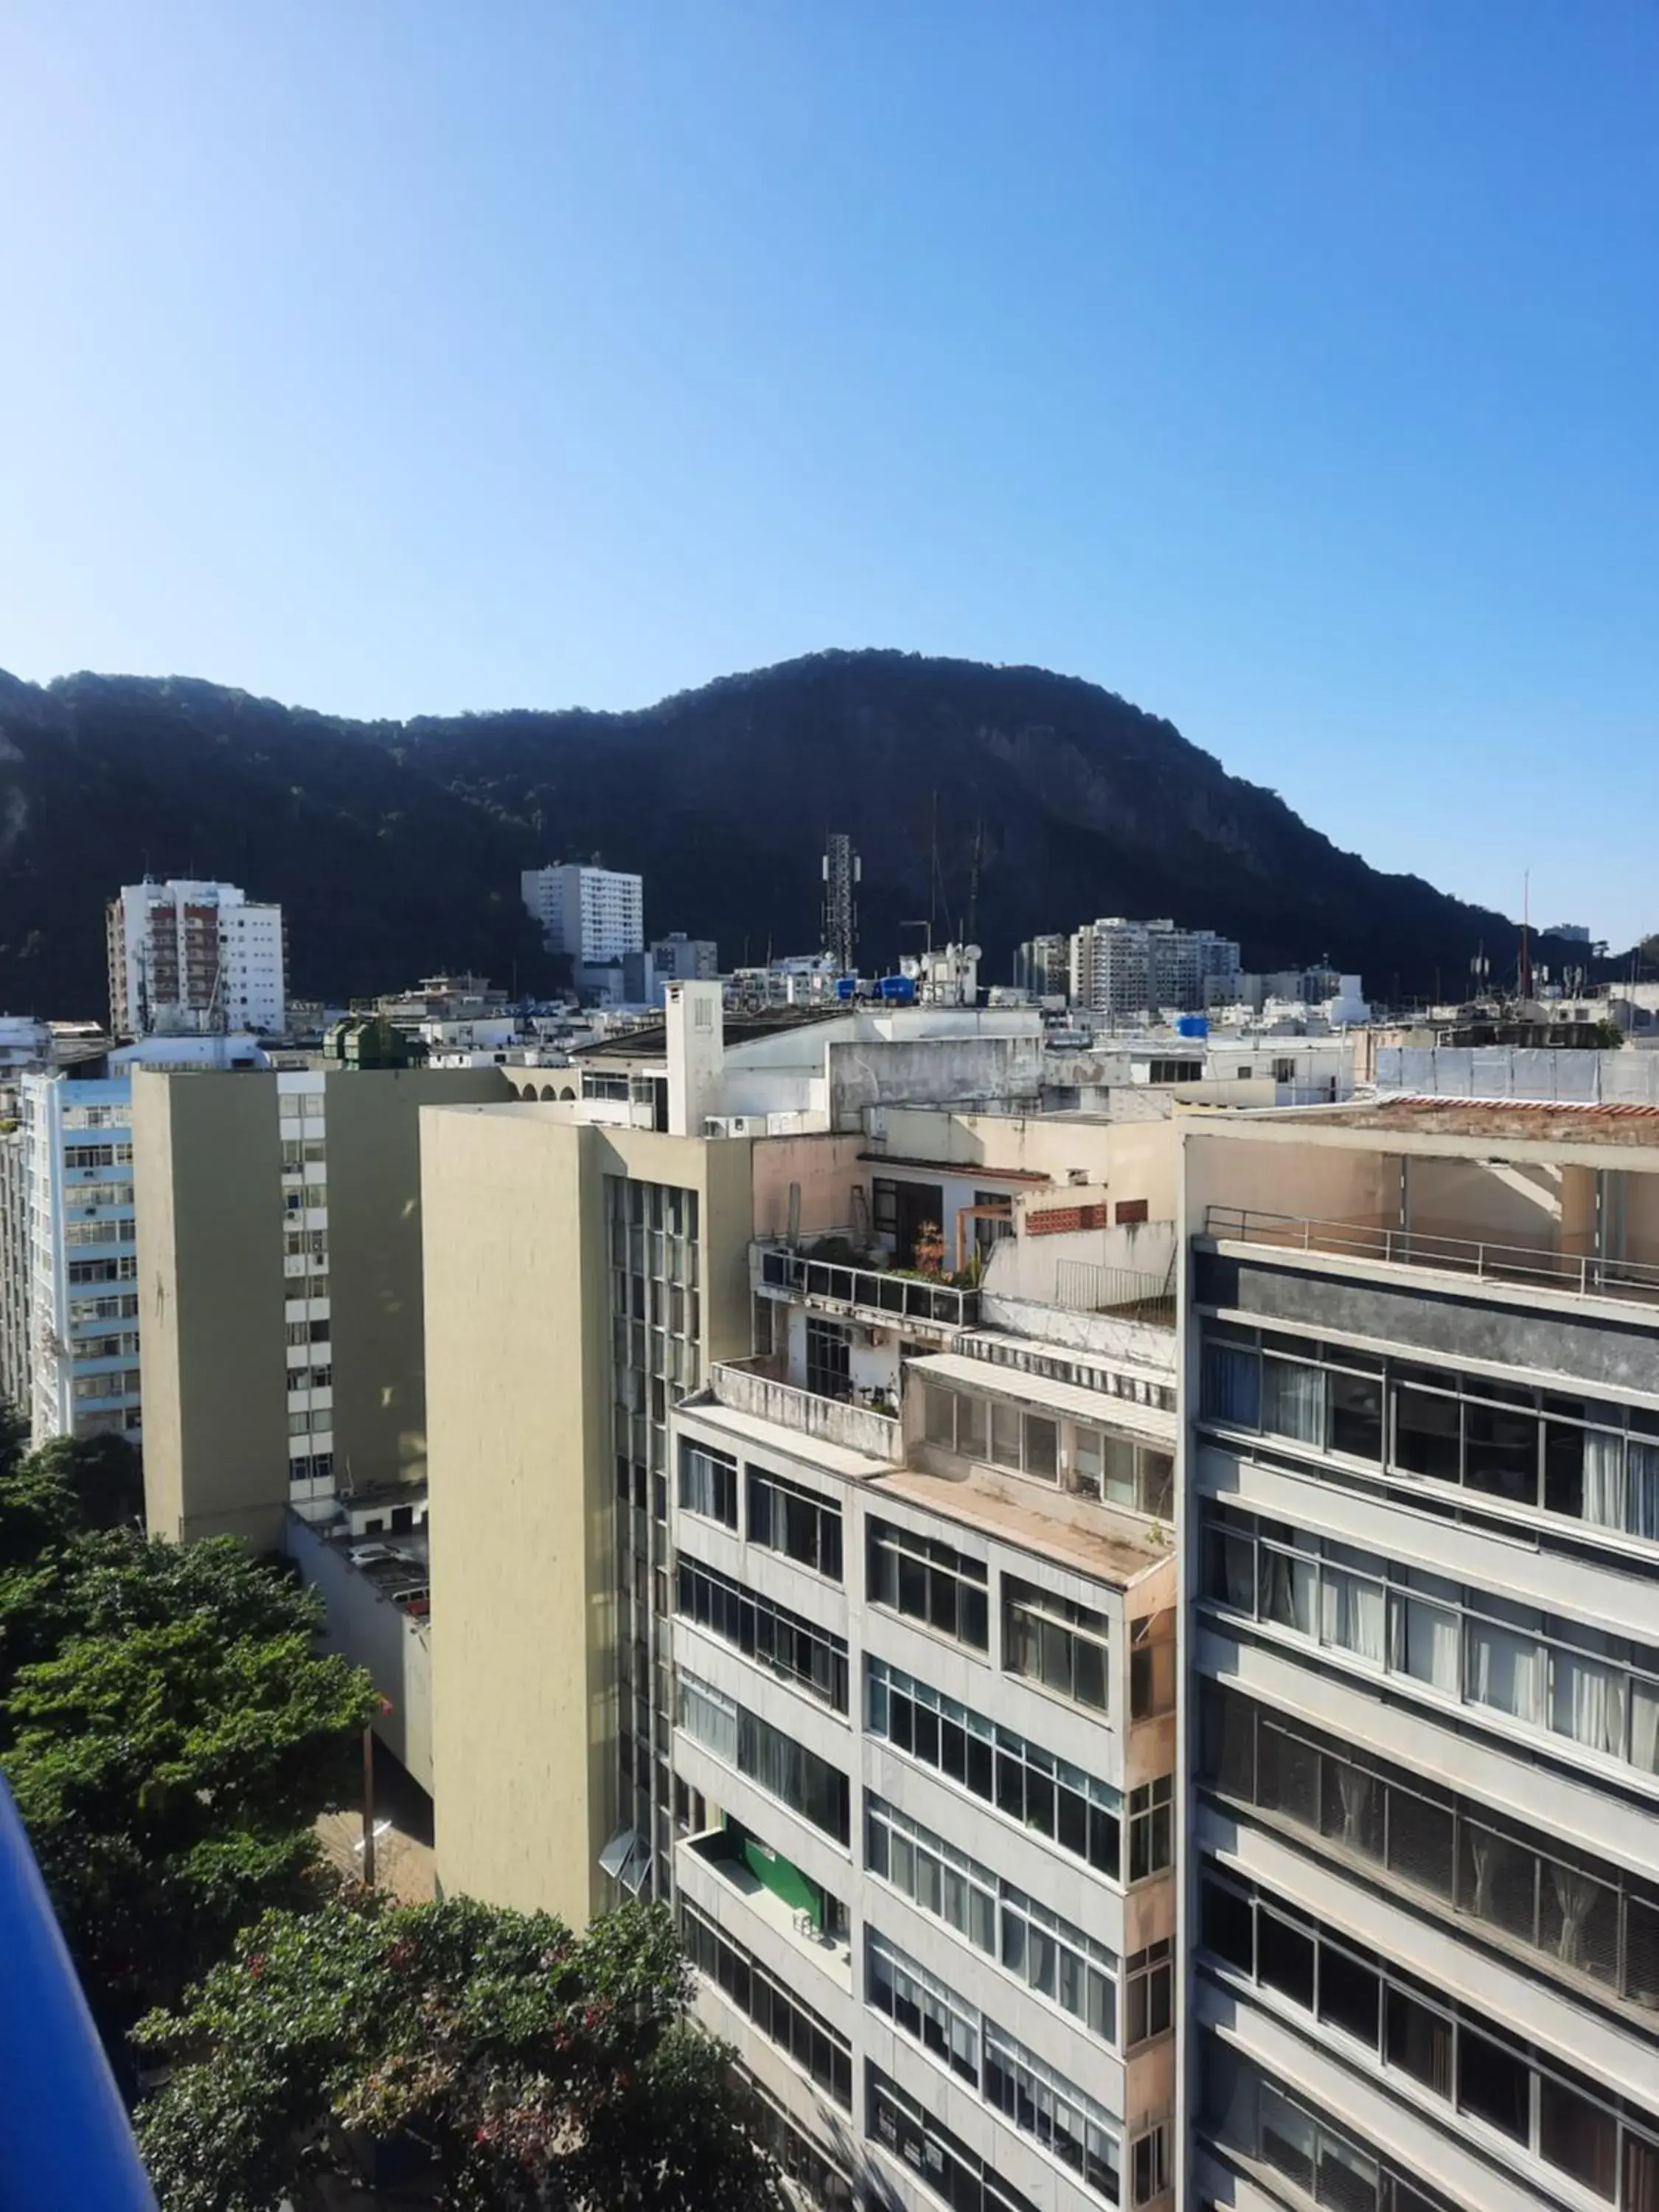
{"points": [[515, 2063], [170, 1730]]}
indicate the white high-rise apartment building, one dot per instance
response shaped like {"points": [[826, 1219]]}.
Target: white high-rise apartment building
{"points": [[594, 915], [81, 1354], [1420, 1792], [1126, 970], [189, 958]]}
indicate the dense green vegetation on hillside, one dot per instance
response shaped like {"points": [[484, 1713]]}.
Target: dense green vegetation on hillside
{"points": [[396, 847]]}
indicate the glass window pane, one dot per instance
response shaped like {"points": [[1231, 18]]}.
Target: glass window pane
{"points": [[1285, 1958], [1581, 2137], [1418, 2040], [1426, 1434], [1494, 2083], [1005, 1435]]}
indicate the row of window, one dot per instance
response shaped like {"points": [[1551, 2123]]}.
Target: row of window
{"points": [[1117, 1469], [1026, 1784], [1574, 1913], [954, 2174], [310, 1466], [1045, 1952], [297, 1106], [928, 1581], [1555, 1451], [80, 1233], [124, 1346], [300, 1195], [1083, 1375], [299, 1151], [79, 1158], [310, 1378], [119, 1382], [1592, 1689], [1036, 2099], [1454, 2053], [122, 1269], [1055, 1641], [122, 1306], [777, 2012], [783, 1515], [306, 1331], [774, 1638], [798, 1777], [1251, 2116], [296, 1242]]}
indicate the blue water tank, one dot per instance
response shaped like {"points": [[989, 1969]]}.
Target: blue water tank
{"points": [[1192, 1025], [847, 987], [898, 990]]}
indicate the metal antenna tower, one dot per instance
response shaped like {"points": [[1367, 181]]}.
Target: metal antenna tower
{"points": [[842, 870]]}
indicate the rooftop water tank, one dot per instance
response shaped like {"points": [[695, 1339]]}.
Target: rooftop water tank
{"points": [[1192, 1025]]}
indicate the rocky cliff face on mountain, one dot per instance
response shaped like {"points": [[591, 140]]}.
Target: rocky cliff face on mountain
{"points": [[1009, 799]]}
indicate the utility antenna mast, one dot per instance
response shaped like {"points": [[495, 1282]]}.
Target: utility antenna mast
{"points": [[843, 871]]}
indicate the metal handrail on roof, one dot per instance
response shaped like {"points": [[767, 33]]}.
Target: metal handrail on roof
{"points": [[882, 1290], [1588, 1274]]}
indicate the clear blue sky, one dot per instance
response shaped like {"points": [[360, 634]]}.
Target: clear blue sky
{"points": [[1289, 367]]}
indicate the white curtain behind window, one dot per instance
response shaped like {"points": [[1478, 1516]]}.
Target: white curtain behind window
{"points": [[1293, 1400], [1604, 1478], [1431, 1645], [1503, 1671], [1575, 1894], [1588, 1704], [1351, 1613]]}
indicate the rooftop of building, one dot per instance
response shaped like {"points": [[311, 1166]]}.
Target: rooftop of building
{"points": [[1533, 1121], [650, 1039], [1091, 1539]]}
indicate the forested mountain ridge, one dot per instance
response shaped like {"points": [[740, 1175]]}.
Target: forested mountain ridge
{"points": [[395, 847]]}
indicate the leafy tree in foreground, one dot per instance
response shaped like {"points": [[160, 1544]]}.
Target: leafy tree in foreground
{"points": [[170, 1732], [518, 2064]]}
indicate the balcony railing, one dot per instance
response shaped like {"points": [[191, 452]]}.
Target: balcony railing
{"points": [[1586, 1274], [875, 1290], [745, 1387], [1125, 1293]]}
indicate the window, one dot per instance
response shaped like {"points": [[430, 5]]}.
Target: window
{"points": [[709, 1482], [929, 1582], [931, 1873], [785, 1517], [1059, 1962], [1149, 2165], [1043, 2104], [781, 2016], [953, 2171], [1251, 2116], [1115, 1469], [1152, 1664], [798, 1777], [1552, 1676], [787, 1645], [1055, 1641], [1515, 1445], [829, 1360], [1447, 2048], [923, 2007], [1152, 1841], [1149, 1993], [1025, 1784]]}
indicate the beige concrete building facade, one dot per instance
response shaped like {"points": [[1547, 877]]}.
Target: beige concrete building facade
{"points": [[580, 1278], [279, 1268]]}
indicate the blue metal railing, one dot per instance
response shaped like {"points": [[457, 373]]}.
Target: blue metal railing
{"points": [[66, 2144]]}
